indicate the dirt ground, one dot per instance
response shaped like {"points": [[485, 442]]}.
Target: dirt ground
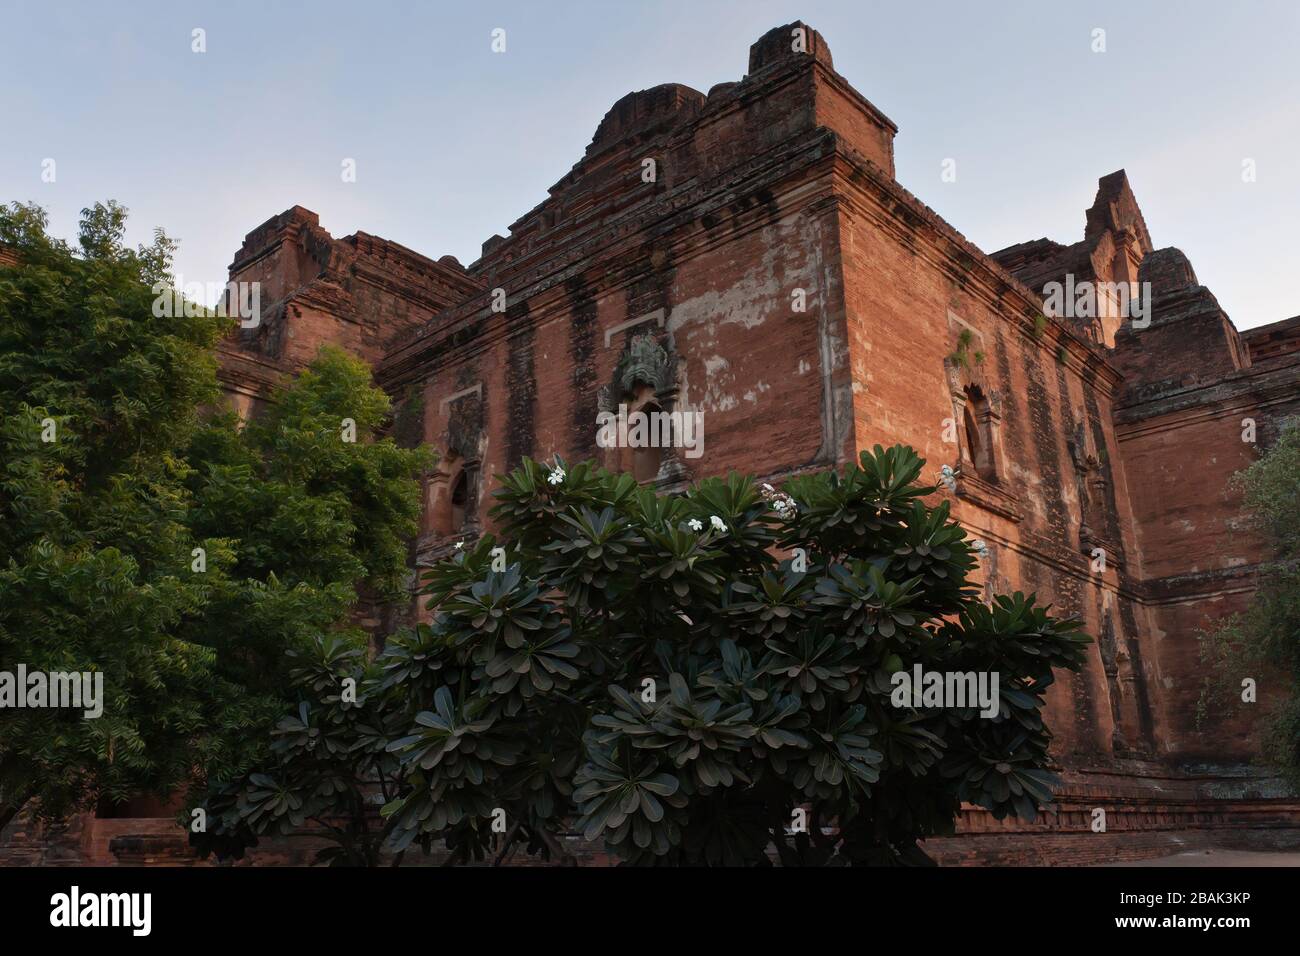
{"points": [[1220, 858]]}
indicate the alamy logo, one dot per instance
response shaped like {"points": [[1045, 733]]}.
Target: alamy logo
{"points": [[38, 689], [923, 688], [1099, 300], [242, 300], [655, 429], [75, 908]]}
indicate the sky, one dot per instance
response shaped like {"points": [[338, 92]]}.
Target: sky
{"points": [[452, 142]]}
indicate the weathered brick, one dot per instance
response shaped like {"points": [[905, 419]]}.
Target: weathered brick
{"points": [[1083, 435]]}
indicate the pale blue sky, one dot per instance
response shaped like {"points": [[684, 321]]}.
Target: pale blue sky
{"points": [[454, 142]]}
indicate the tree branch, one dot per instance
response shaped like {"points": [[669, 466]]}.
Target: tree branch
{"points": [[10, 810], [510, 837]]}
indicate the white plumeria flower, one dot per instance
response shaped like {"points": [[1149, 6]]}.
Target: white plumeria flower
{"points": [[718, 524], [979, 547], [948, 477], [694, 524], [460, 545], [556, 476], [768, 488]]}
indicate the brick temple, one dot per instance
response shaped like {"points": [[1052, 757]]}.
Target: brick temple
{"points": [[747, 253]]}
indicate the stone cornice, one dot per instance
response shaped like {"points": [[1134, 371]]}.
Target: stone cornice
{"points": [[403, 288], [1060, 558], [871, 192], [446, 339], [1200, 585], [1248, 388], [372, 249], [246, 372]]}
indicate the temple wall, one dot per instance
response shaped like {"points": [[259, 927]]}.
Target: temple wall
{"points": [[936, 331], [1199, 555], [710, 302], [1070, 437]]}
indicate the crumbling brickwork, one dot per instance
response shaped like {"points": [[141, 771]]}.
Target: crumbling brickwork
{"points": [[749, 255]]}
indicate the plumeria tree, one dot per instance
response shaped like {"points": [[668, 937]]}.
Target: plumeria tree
{"points": [[710, 678]]}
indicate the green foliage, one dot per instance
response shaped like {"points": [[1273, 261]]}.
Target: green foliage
{"points": [[1263, 642], [669, 675], [99, 526], [962, 354], [326, 759], [307, 505]]}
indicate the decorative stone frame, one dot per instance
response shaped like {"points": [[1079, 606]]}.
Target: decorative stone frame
{"points": [[440, 519], [461, 459], [980, 439], [1091, 482], [645, 377], [978, 405]]}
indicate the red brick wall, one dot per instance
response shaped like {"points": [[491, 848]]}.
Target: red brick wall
{"points": [[912, 286], [1105, 436]]}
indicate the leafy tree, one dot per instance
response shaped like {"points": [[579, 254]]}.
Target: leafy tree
{"points": [[691, 679], [328, 760], [1265, 638], [164, 547]]}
